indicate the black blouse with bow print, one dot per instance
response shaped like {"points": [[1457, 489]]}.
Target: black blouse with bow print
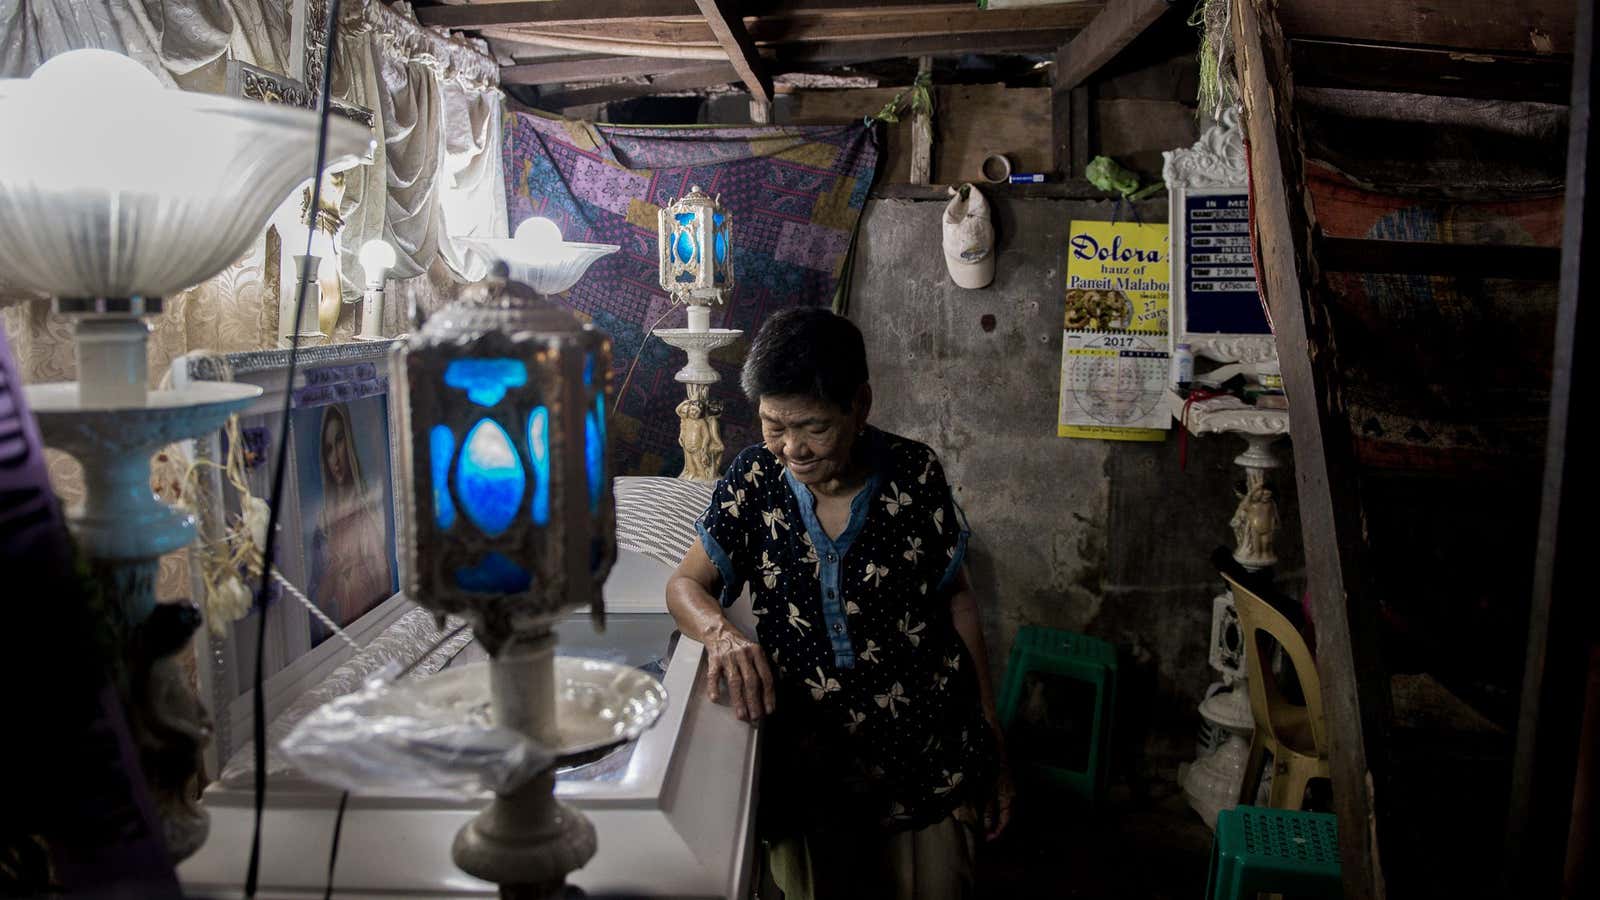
{"points": [[878, 718]]}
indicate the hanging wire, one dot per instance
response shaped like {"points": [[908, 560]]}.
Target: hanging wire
{"points": [[616, 405], [258, 702]]}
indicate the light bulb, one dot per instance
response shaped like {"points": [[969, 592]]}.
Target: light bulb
{"points": [[539, 234], [377, 258], [163, 144]]}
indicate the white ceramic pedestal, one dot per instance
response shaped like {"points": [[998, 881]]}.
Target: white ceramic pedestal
{"points": [[372, 315], [121, 523], [308, 304], [124, 530], [699, 426], [1212, 783]]}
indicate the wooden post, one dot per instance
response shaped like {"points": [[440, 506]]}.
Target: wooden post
{"points": [[760, 112], [922, 132], [1355, 685], [1082, 128], [1546, 829]]}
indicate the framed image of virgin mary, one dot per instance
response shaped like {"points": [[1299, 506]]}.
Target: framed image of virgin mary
{"points": [[337, 524], [346, 506]]}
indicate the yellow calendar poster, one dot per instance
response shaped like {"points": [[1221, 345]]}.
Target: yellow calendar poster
{"points": [[1114, 366]]}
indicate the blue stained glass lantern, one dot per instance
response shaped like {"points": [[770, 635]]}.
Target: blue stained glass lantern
{"points": [[695, 234], [512, 519]]}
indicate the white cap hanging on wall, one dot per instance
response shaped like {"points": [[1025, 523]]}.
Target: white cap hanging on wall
{"points": [[968, 238]]}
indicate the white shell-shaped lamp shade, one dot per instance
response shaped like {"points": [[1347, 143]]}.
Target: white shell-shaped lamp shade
{"points": [[539, 258], [377, 258], [113, 186]]}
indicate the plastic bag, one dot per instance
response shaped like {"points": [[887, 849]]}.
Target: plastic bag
{"points": [[382, 739]]}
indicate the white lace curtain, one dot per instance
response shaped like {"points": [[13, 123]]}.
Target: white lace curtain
{"points": [[436, 174]]}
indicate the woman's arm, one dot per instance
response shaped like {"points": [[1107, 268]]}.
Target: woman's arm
{"points": [[964, 612], [729, 653]]}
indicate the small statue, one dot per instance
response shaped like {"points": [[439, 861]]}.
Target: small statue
{"points": [[700, 436], [169, 724], [1255, 524]]}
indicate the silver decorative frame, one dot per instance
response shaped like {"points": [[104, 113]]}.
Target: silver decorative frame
{"points": [[221, 676], [253, 83], [1214, 166]]}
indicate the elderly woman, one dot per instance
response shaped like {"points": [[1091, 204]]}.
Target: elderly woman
{"points": [[882, 757]]}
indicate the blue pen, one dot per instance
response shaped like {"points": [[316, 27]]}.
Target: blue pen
{"points": [[1027, 177]]}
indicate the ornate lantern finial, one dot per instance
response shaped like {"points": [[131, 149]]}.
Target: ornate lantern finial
{"points": [[695, 235]]}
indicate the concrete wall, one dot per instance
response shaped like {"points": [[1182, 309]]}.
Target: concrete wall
{"points": [[1107, 538]]}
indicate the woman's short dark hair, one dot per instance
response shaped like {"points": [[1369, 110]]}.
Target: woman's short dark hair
{"points": [[807, 351]]}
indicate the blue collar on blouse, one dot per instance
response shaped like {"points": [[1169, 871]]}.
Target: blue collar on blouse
{"points": [[831, 553], [877, 460]]}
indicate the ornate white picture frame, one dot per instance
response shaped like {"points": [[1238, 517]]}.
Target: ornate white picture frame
{"points": [[1207, 188], [293, 660]]}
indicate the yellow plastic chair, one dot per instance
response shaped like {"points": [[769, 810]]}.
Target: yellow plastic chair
{"points": [[1296, 736]]}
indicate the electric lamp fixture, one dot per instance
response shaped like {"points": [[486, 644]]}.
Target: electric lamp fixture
{"points": [[377, 258], [536, 255], [695, 240], [512, 522], [694, 235], [114, 193]]}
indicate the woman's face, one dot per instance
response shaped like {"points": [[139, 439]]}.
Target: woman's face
{"points": [[334, 455], [813, 438]]}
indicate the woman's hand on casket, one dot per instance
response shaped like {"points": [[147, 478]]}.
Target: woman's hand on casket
{"points": [[729, 653], [751, 687]]}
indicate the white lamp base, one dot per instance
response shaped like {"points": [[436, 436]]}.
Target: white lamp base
{"points": [[699, 426], [372, 315], [124, 530]]}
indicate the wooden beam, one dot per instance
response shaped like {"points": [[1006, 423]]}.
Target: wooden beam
{"points": [[1424, 70], [1355, 687], [1060, 123], [922, 131], [1113, 29], [592, 68], [780, 7], [728, 26], [1516, 26], [939, 45], [801, 28], [703, 76], [580, 12], [1562, 623], [887, 23], [1523, 263], [552, 12], [1082, 128]]}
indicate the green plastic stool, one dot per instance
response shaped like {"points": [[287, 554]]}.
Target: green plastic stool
{"points": [[1280, 851], [1070, 673]]}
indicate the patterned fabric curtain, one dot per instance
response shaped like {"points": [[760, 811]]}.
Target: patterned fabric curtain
{"points": [[795, 194]]}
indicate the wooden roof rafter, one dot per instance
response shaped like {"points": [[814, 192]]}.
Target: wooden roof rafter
{"points": [[685, 34], [728, 26], [1117, 25]]}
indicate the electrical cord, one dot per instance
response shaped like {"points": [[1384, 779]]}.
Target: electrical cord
{"points": [[616, 405], [258, 701], [333, 851], [344, 796]]}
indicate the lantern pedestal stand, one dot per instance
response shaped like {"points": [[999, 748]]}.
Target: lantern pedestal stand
{"points": [[124, 530], [526, 840], [699, 422], [1213, 781], [506, 395]]}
